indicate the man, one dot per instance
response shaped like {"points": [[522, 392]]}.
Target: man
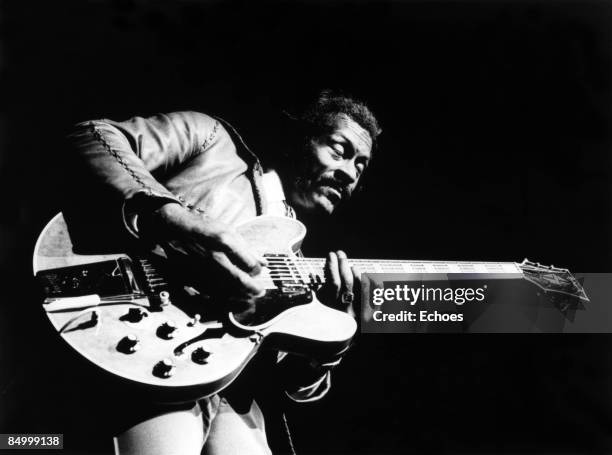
{"points": [[185, 180]]}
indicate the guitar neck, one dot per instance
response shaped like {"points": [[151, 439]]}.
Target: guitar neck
{"points": [[547, 278], [511, 269]]}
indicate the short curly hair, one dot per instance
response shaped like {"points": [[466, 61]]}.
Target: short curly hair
{"points": [[320, 115]]}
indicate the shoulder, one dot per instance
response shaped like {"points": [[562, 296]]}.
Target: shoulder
{"points": [[191, 117], [206, 126]]}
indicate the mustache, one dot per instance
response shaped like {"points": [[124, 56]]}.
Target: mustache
{"points": [[341, 187]]}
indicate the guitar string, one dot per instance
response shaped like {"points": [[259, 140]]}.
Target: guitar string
{"points": [[303, 269], [374, 262], [398, 262]]}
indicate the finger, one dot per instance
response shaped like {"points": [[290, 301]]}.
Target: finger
{"points": [[238, 253], [356, 271], [346, 274], [228, 273], [357, 290], [246, 262], [332, 275], [212, 235], [241, 282]]}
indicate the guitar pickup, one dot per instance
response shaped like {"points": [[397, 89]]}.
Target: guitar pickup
{"points": [[294, 289]]}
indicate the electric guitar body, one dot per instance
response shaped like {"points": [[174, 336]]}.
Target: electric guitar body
{"points": [[126, 314], [137, 316]]}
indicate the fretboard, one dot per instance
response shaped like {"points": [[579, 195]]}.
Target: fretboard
{"points": [[291, 270], [398, 266], [286, 267]]}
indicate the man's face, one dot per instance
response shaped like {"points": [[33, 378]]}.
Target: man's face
{"points": [[334, 164]]}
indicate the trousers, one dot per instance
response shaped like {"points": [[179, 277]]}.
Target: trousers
{"points": [[209, 427]]}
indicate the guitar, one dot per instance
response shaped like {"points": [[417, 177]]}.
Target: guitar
{"points": [[122, 312]]}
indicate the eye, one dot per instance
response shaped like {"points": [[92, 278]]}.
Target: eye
{"points": [[337, 148], [361, 165], [360, 168]]}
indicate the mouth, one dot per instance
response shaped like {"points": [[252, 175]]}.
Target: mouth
{"points": [[332, 193]]}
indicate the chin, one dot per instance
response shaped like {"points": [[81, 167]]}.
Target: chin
{"points": [[316, 204], [323, 206]]}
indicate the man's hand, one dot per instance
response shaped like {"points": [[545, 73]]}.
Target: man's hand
{"points": [[342, 283], [217, 253]]}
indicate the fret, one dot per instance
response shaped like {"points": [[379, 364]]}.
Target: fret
{"points": [[316, 265], [301, 271]]}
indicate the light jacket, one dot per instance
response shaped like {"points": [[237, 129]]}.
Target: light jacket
{"points": [[186, 157]]}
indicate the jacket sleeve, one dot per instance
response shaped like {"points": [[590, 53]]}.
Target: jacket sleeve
{"points": [[130, 157]]}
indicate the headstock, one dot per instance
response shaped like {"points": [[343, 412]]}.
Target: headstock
{"points": [[553, 279]]}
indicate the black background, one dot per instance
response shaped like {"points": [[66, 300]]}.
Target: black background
{"points": [[497, 124]]}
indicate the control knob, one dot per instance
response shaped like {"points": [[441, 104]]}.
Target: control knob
{"points": [[128, 344], [164, 369], [167, 330], [200, 356], [134, 315]]}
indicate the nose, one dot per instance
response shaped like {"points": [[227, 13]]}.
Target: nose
{"points": [[347, 172]]}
